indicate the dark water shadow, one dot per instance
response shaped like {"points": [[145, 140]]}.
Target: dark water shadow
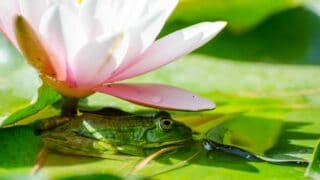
{"points": [[291, 132], [289, 37]]}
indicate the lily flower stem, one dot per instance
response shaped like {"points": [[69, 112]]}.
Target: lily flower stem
{"points": [[69, 106]]}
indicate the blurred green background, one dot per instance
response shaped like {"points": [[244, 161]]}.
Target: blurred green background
{"points": [[262, 71], [277, 31]]}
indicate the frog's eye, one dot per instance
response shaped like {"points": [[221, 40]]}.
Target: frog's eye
{"points": [[166, 124]]}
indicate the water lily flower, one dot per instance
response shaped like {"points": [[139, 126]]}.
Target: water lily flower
{"points": [[82, 48]]}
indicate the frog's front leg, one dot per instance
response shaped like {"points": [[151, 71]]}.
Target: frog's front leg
{"points": [[71, 143]]}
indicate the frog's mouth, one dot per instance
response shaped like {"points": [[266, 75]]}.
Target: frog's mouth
{"points": [[168, 143]]}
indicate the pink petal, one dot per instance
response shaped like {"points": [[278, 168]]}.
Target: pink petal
{"points": [[158, 96], [171, 48], [4, 33]]}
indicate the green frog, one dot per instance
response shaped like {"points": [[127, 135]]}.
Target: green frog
{"points": [[106, 135]]}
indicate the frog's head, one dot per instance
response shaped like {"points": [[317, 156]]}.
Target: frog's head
{"points": [[166, 131]]}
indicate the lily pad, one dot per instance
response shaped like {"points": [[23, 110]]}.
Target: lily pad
{"points": [[46, 97], [248, 133], [18, 81], [313, 170]]}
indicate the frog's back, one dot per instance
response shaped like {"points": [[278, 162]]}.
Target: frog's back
{"points": [[102, 135], [114, 129]]}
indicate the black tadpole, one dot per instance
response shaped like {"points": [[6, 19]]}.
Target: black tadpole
{"points": [[69, 106], [211, 145]]}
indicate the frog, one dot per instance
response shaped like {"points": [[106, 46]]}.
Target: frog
{"points": [[110, 135]]}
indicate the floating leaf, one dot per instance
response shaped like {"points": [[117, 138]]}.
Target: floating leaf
{"points": [[313, 170], [46, 97]]}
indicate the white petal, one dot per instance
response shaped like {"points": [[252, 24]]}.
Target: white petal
{"points": [[144, 34], [113, 15], [62, 32], [171, 48], [162, 9], [140, 39], [91, 24], [97, 60], [8, 10], [157, 5], [62, 28], [33, 10]]}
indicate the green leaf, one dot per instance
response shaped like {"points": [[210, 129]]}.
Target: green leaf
{"points": [[46, 97], [313, 170], [22, 153], [248, 133], [18, 82]]}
